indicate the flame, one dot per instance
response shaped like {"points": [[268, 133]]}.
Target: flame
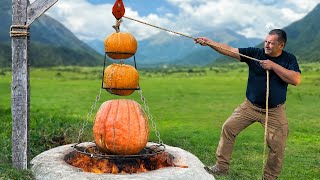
{"points": [[142, 168], [97, 171], [99, 166]]}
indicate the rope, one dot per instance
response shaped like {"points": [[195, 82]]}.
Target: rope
{"points": [[159, 27], [266, 124], [19, 33], [210, 44], [251, 58]]}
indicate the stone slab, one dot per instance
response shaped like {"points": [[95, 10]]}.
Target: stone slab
{"points": [[50, 165]]}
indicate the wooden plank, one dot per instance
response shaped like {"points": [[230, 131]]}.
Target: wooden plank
{"points": [[37, 8], [20, 88], [23, 15]]}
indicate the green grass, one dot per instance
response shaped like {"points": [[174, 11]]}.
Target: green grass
{"points": [[189, 107]]}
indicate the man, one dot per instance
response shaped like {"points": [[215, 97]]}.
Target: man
{"points": [[284, 70]]}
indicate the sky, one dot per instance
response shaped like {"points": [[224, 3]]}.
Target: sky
{"points": [[93, 19]]}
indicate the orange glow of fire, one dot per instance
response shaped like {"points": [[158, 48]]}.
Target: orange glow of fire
{"points": [[99, 166]]}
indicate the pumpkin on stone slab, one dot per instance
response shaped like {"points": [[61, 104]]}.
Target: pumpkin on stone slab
{"points": [[121, 127], [120, 45], [120, 76]]}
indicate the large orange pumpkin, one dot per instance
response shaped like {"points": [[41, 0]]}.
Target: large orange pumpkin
{"points": [[121, 127], [120, 45], [120, 76]]}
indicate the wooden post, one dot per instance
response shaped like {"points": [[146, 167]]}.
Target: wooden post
{"points": [[20, 87], [23, 15]]}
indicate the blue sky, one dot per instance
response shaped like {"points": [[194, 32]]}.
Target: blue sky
{"points": [[144, 7], [92, 19]]}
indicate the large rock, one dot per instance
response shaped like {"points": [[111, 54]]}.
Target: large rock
{"points": [[51, 165]]}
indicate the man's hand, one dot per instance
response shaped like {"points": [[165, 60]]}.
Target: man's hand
{"points": [[202, 41], [267, 64], [289, 76]]}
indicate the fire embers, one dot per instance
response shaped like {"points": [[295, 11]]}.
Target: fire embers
{"points": [[119, 165]]}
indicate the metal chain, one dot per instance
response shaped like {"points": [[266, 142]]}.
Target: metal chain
{"points": [[93, 107], [150, 117]]}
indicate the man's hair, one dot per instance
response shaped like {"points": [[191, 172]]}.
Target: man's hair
{"points": [[282, 35]]}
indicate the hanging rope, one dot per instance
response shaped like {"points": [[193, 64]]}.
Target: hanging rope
{"points": [[15, 33], [266, 124], [251, 58]]}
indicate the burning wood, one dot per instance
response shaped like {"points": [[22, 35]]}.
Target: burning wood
{"points": [[120, 165]]}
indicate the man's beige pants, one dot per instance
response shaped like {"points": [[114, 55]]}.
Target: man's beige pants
{"points": [[243, 116]]}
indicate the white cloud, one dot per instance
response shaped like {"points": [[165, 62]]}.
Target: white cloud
{"points": [[291, 15], [89, 21], [142, 31], [250, 18], [304, 5]]}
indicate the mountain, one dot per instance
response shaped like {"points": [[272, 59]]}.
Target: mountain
{"points": [[304, 37], [51, 44], [303, 41], [167, 48]]}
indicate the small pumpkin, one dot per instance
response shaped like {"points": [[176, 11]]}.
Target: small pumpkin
{"points": [[121, 127], [120, 45], [120, 76]]}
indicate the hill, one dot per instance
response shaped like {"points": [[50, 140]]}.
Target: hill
{"points": [[52, 44], [304, 37]]}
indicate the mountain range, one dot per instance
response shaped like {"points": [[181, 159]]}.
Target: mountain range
{"points": [[304, 37], [52, 44], [164, 48]]}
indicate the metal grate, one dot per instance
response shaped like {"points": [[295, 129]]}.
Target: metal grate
{"points": [[94, 152]]}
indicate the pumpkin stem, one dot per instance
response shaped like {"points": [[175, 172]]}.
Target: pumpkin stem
{"points": [[117, 25]]}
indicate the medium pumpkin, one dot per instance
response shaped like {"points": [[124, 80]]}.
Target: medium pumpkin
{"points": [[120, 45], [120, 76], [121, 127]]}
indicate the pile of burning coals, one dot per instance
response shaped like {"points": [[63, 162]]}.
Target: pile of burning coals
{"points": [[119, 164]]}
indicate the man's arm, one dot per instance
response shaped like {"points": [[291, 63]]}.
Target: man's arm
{"points": [[289, 76], [221, 48]]}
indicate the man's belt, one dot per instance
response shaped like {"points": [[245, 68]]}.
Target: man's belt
{"points": [[264, 106]]}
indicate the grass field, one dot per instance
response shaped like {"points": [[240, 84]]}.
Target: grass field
{"points": [[189, 107]]}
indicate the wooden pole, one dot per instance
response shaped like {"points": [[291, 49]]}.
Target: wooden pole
{"points": [[20, 87], [37, 8], [23, 15]]}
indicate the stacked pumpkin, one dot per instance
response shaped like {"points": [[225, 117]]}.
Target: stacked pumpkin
{"points": [[119, 77], [121, 126]]}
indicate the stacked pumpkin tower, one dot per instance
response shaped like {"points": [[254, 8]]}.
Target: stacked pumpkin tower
{"points": [[120, 79], [121, 126]]}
